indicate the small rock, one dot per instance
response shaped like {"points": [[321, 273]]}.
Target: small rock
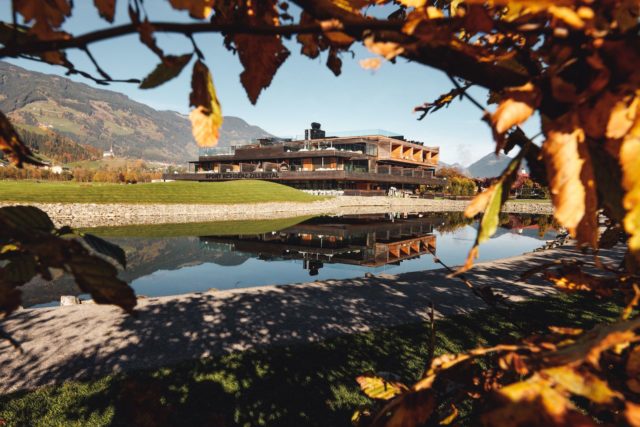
{"points": [[212, 290], [368, 275], [69, 300], [87, 301]]}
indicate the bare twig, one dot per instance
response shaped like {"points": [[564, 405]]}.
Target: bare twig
{"points": [[95, 64]]}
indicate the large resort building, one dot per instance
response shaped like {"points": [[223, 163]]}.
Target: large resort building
{"points": [[369, 164]]}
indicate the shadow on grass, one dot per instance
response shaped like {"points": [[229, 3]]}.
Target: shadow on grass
{"points": [[286, 385]]}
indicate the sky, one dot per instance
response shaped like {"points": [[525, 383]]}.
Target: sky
{"points": [[303, 90]]}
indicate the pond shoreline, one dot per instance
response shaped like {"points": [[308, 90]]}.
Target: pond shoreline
{"points": [[82, 215]]}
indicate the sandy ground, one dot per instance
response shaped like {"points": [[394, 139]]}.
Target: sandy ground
{"points": [[87, 341]]}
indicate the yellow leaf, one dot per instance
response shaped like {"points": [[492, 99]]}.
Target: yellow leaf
{"points": [[582, 384], [630, 164], [413, 3], [379, 388], [199, 9], [206, 118], [622, 117], [567, 15], [451, 417]]}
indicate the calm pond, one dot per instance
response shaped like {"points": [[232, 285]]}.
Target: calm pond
{"points": [[173, 259]]}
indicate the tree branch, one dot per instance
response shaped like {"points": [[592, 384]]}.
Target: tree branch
{"points": [[83, 40]]}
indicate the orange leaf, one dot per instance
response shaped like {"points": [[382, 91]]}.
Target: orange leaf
{"points": [[106, 8], [261, 57], [515, 108], [48, 15], [571, 181]]}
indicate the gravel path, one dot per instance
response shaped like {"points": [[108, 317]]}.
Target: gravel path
{"points": [[86, 341]]}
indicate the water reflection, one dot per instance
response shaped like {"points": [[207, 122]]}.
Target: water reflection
{"points": [[366, 240], [199, 257]]}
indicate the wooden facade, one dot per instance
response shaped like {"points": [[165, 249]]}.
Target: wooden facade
{"points": [[373, 163]]}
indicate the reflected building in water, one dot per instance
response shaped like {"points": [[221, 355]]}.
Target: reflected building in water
{"points": [[364, 240]]}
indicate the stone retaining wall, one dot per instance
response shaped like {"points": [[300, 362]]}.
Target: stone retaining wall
{"points": [[112, 214]]}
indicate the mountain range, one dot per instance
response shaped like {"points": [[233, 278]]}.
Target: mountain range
{"points": [[41, 103], [487, 167]]}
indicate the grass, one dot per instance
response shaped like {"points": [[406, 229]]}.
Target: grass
{"points": [[221, 228], [305, 384], [230, 192]]}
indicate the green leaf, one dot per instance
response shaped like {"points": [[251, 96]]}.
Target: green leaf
{"points": [[166, 70], [106, 248], [99, 278], [26, 218]]}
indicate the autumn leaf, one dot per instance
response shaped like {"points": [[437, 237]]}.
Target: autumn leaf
{"points": [[581, 383], [99, 278], [107, 8], [199, 9], [167, 69], [572, 183], [377, 387], [515, 107], [412, 409], [388, 50], [261, 56], [534, 402], [13, 147], [206, 118], [334, 63], [630, 164], [47, 15], [370, 63], [310, 42]]}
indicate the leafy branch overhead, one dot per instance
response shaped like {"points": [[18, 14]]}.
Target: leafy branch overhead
{"points": [[572, 65], [575, 64]]}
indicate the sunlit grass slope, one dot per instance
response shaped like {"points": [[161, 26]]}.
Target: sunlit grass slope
{"points": [[169, 192]]}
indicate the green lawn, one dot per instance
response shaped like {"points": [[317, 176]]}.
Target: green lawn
{"points": [[169, 192], [299, 385]]}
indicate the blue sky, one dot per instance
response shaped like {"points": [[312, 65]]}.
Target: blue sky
{"points": [[302, 91]]}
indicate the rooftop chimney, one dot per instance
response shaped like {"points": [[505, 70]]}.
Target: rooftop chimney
{"points": [[315, 132]]}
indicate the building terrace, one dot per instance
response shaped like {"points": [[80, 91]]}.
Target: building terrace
{"points": [[373, 164]]}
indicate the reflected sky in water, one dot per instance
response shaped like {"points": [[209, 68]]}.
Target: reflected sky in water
{"points": [[316, 249], [452, 248]]}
